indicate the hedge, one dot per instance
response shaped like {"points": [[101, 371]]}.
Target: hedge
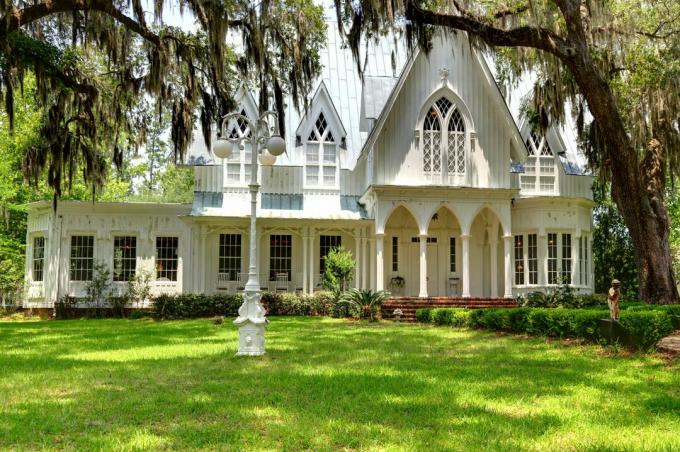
{"points": [[644, 325], [186, 306]]}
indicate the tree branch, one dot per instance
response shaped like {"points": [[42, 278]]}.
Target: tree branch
{"points": [[16, 19], [533, 37]]}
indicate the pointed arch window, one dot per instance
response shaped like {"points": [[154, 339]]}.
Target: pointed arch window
{"points": [[321, 155], [238, 163], [539, 169], [444, 143]]}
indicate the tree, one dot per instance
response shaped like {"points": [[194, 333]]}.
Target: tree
{"points": [[617, 61], [340, 265], [96, 61]]}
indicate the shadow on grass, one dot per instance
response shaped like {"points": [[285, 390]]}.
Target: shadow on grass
{"points": [[323, 384]]}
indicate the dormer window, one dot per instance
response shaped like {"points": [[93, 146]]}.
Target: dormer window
{"points": [[539, 169], [321, 155], [444, 143], [238, 163]]}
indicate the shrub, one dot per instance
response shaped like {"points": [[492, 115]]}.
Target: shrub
{"points": [[424, 315], [339, 269], [456, 317], [647, 328], [366, 302], [319, 303], [66, 307], [186, 306]]}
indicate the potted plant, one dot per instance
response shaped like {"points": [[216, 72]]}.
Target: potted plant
{"points": [[397, 283]]}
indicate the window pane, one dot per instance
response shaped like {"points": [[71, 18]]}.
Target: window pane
{"points": [[329, 154], [532, 258], [38, 258], [519, 259], [230, 256], [395, 254], [329, 175], [124, 258], [327, 243], [280, 251], [166, 258], [552, 259], [82, 257], [452, 254], [566, 259]]}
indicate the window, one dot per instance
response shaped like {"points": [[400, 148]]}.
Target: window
{"points": [[82, 257], [444, 150], [552, 258], [452, 254], [239, 162], [230, 256], [583, 260], [38, 258], [532, 258], [429, 240], [395, 254], [327, 243], [280, 252], [166, 258], [519, 260], [566, 259], [124, 258], [321, 155], [539, 169]]}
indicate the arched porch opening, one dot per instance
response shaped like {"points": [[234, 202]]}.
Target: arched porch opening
{"points": [[401, 275], [443, 262], [486, 255]]}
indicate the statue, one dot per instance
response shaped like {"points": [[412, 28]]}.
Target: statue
{"points": [[613, 297]]}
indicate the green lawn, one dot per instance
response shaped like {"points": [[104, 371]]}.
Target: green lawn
{"points": [[324, 384]]}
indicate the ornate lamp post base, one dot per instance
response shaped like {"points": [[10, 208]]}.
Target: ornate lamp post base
{"points": [[251, 324]]}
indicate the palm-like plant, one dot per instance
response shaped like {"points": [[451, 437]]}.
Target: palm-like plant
{"points": [[367, 302]]}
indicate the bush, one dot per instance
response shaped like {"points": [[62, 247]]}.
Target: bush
{"points": [[456, 317], [424, 315], [562, 297], [366, 303], [646, 328], [187, 306], [66, 307], [319, 303], [644, 324]]}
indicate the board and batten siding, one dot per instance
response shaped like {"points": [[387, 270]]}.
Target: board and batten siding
{"points": [[397, 156]]}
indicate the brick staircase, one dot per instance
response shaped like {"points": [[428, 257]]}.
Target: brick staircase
{"points": [[408, 305]]}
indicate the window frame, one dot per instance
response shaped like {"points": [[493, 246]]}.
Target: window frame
{"points": [[275, 260], [395, 253], [227, 263], [439, 139], [325, 248], [125, 259], [35, 260], [452, 254], [241, 157], [158, 260], [319, 140], [540, 165], [83, 270]]}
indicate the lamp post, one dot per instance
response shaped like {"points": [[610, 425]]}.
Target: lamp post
{"points": [[251, 319]]}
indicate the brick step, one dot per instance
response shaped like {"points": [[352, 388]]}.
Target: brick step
{"points": [[409, 305]]}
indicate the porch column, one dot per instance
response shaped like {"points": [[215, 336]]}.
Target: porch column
{"points": [[380, 262], [507, 239], [305, 260], [494, 265], [372, 266], [575, 260], [357, 258], [202, 256], [364, 263], [542, 258], [423, 266], [310, 261], [465, 239]]}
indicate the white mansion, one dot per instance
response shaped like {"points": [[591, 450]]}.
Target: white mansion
{"points": [[420, 171]]}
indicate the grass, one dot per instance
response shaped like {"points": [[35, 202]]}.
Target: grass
{"points": [[324, 384]]}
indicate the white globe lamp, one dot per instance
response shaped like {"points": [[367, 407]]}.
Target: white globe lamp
{"points": [[222, 148], [276, 145], [266, 158]]}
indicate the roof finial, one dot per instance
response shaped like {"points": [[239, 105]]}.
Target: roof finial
{"points": [[444, 74]]}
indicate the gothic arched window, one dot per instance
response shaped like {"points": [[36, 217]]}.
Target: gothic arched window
{"points": [[239, 162], [321, 155], [539, 169], [444, 143]]}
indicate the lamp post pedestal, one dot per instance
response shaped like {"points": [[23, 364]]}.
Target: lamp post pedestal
{"points": [[251, 323]]}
